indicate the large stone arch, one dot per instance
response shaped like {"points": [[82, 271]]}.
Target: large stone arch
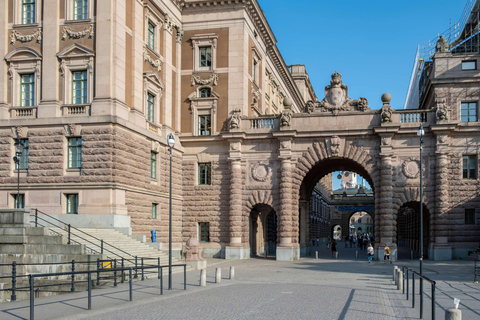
{"points": [[260, 197], [411, 194]]}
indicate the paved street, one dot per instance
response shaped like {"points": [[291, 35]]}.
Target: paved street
{"points": [[267, 289]]}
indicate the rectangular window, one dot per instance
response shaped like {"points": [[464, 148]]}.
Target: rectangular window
{"points": [[469, 65], [74, 153], [151, 36], [154, 210], [80, 9], [19, 202], [469, 167], [255, 70], [205, 58], [72, 203], [150, 107], [28, 11], [79, 87], [153, 165], [204, 125], [469, 112], [23, 158], [204, 173], [469, 216], [204, 231], [27, 90]]}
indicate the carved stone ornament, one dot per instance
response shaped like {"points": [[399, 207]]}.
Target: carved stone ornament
{"points": [[193, 249], [154, 63], [386, 141], [411, 168], [285, 118], [20, 132], [235, 119], [72, 129], [68, 33], [442, 110], [442, 138], [335, 146], [261, 171], [285, 144], [442, 45], [387, 113], [310, 106], [168, 25], [235, 146], [16, 36], [179, 34], [336, 98], [212, 80]]}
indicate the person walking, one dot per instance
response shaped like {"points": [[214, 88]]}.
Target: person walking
{"points": [[334, 247], [386, 254], [370, 253]]}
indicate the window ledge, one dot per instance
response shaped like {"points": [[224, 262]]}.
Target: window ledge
{"points": [[81, 21], [26, 25]]}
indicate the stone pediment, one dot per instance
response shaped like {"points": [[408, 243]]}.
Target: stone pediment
{"points": [[75, 50], [193, 96], [153, 77], [23, 53], [336, 99]]}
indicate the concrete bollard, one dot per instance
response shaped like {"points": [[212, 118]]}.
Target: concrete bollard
{"points": [[395, 274], [453, 314], [232, 273], [356, 255], [203, 277], [218, 275], [400, 280], [316, 255], [336, 255]]}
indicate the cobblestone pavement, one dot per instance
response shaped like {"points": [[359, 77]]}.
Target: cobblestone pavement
{"points": [[268, 289]]}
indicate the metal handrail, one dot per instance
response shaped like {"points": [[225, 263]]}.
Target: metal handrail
{"points": [[69, 232], [422, 277]]}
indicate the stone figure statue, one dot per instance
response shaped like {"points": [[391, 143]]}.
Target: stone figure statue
{"points": [[387, 114], [235, 119], [442, 110], [285, 118], [442, 45]]}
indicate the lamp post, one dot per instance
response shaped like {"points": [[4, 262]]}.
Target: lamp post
{"points": [[171, 143], [18, 153], [421, 133]]}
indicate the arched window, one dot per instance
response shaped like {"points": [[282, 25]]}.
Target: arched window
{"points": [[204, 93]]}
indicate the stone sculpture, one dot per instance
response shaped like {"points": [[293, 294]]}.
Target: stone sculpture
{"points": [[285, 118], [442, 110], [235, 119], [442, 45], [193, 249]]}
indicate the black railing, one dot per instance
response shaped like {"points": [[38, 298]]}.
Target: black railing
{"points": [[405, 279]]}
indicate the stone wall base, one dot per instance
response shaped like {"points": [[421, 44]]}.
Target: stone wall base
{"points": [[441, 252], [197, 265], [97, 221], [237, 253], [288, 253]]}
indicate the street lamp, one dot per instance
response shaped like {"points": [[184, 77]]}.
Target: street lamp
{"points": [[421, 133], [18, 153], [171, 143]]}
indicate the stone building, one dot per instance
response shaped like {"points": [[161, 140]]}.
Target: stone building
{"points": [[92, 89]]}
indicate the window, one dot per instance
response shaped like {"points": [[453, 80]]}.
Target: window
{"points": [[27, 90], [469, 216], [205, 58], [28, 11], [154, 210], [204, 125], [204, 93], [153, 165], [79, 87], [80, 9], [74, 153], [204, 173], [72, 203], [151, 36], [469, 65], [150, 107], [23, 163], [204, 231], [468, 112], [469, 167], [19, 201], [255, 70]]}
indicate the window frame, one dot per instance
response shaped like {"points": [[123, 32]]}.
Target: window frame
{"points": [[204, 92], [83, 87], [202, 41], [153, 165], [466, 172], [475, 109], [204, 174], [84, 14], [68, 203], [155, 211], [31, 5], [70, 15], [205, 57], [151, 107], [151, 35], [18, 13], [23, 85], [203, 128], [470, 217], [74, 150], [203, 232], [22, 199], [466, 62]]}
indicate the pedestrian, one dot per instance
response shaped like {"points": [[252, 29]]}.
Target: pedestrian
{"points": [[370, 253], [334, 247], [346, 241], [386, 254], [328, 243], [365, 242]]}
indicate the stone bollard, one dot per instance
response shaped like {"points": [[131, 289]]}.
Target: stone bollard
{"points": [[232, 273], [356, 255], [400, 280], [395, 274], [218, 275], [316, 255], [336, 255], [203, 277], [453, 314]]}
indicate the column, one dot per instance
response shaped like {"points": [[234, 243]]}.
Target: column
{"points": [[387, 222], [4, 80], [285, 218], [235, 213]]}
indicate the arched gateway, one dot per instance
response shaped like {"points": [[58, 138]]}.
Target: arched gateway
{"points": [[275, 161]]}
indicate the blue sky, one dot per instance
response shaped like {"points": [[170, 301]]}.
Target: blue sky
{"points": [[371, 43]]}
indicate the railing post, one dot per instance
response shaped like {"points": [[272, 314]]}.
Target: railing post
{"points": [[130, 283], [14, 281], [69, 235], [421, 298], [433, 300], [31, 280], [407, 283], [158, 267], [136, 266], [143, 278], [161, 280], [413, 290], [184, 277], [89, 278], [72, 289], [36, 217], [403, 280], [115, 272], [123, 271], [98, 272], [101, 246]]}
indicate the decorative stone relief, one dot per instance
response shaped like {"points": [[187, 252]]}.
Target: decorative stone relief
{"points": [[442, 138], [168, 25], [68, 33], [20, 132], [335, 145], [261, 171], [256, 96], [442, 110], [285, 144], [212, 80], [154, 63], [411, 168], [179, 35], [310, 106], [235, 146], [72, 129], [285, 118], [386, 141], [235, 119], [16, 36], [387, 113]]}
